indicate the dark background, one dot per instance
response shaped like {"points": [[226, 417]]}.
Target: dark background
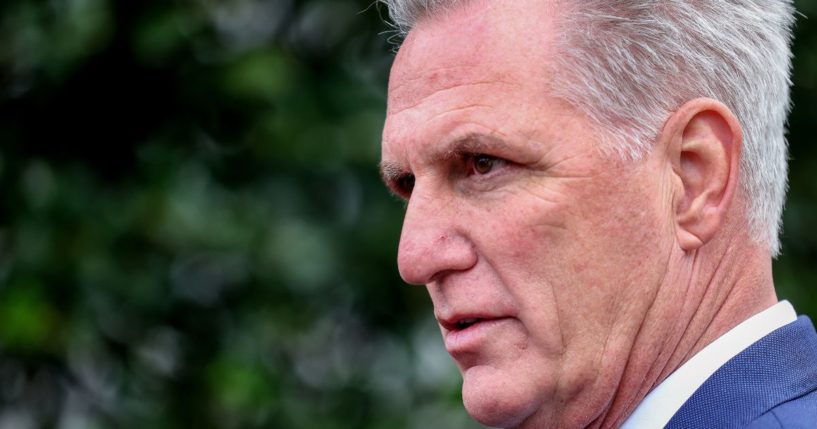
{"points": [[192, 228]]}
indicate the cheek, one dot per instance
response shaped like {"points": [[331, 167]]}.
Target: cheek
{"points": [[523, 245], [574, 255]]}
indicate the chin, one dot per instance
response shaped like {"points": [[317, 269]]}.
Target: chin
{"points": [[493, 399]]}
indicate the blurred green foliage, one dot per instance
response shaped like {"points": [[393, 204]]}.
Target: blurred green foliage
{"points": [[192, 228]]}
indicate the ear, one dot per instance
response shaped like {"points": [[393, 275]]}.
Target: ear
{"points": [[704, 141]]}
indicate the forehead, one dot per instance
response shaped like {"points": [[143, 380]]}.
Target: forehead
{"points": [[479, 41]]}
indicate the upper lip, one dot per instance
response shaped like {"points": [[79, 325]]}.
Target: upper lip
{"points": [[455, 322]]}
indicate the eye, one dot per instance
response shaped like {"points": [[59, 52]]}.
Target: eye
{"points": [[483, 164], [404, 184]]}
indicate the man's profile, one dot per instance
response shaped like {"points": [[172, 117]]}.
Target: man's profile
{"points": [[594, 192]]}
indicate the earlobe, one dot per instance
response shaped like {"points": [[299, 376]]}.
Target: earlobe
{"points": [[706, 141]]}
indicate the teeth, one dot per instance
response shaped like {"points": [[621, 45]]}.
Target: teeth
{"points": [[464, 323]]}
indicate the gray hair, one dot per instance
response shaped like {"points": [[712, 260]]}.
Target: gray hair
{"points": [[633, 62]]}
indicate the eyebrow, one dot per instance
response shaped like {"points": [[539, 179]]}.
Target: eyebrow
{"points": [[390, 171], [471, 143]]}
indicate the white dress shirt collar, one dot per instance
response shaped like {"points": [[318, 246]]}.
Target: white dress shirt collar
{"points": [[658, 407]]}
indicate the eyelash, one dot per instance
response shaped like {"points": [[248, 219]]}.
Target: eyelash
{"points": [[472, 161], [404, 184]]}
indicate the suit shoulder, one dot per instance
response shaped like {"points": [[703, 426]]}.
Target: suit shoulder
{"points": [[798, 413]]}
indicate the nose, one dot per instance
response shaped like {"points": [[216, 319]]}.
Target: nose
{"points": [[433, 241]]}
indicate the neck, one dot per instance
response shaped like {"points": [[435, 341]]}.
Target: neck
{"points": [[696, 305]]}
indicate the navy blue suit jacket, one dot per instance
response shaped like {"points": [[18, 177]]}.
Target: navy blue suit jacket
{"points": [[770, 385]]}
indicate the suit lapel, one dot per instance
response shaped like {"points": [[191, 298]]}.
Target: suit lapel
{"points": [[779, 367]]}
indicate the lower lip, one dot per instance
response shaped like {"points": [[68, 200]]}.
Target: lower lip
{"points": [[470, 339]]}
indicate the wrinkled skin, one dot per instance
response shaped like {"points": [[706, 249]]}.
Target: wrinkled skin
{"points": [[518, 221]]}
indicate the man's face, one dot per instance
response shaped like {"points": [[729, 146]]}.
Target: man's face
{"points": [[541, 255]]}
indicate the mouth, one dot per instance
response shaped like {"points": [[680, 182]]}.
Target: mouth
{"points": [[466, 335], [463, 324]]}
